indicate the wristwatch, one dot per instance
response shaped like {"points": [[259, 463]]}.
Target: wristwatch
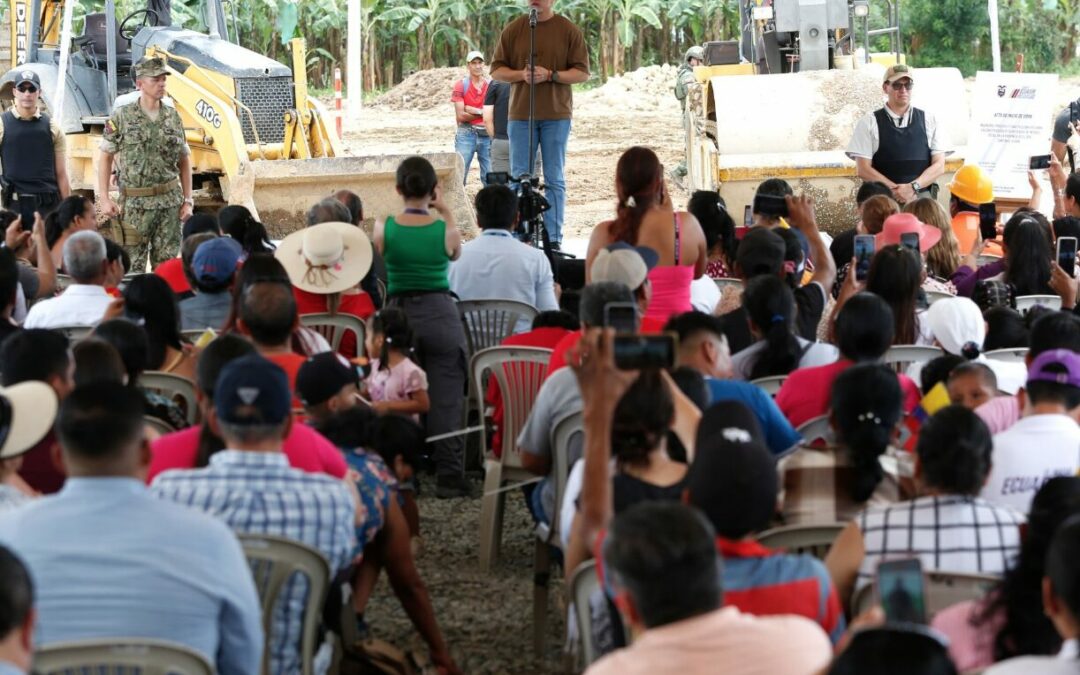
{"points": [[915, 186], [555, 76], [190, 201]]}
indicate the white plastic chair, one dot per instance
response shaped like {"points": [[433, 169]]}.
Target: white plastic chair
{"points": [[934, 296], [1024, 303], [727, 282], [899, 357], [333, 328], [815, 429], [120, 656], [771, 384], [62, 282], [943, 589], [812, 539], [1010, 354], [173, 387], [273, 561], [157, 424], [74, 333], [488, 322], [547, 536], [519, 371], [584, 583]]}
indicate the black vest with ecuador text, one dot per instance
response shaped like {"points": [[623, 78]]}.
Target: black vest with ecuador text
{"points": [[902, 154], [27, 154]]}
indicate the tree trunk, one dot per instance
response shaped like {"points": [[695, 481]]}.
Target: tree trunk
{"points": [[665, 39], [639, 44]]}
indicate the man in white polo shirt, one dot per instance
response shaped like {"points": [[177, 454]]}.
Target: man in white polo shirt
{"points": [[1046, 441]]}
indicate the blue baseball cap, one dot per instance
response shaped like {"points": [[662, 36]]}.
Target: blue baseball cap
{"points": [[252, 391], [216, 260]]}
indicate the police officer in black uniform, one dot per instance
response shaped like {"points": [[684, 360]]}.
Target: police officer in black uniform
{"points": [[32, 152], [898, 144]]}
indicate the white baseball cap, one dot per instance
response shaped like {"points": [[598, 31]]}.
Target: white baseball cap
{"points": [[473, 55]]}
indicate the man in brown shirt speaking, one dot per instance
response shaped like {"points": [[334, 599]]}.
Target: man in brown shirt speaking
{"points": [[561, 60]]}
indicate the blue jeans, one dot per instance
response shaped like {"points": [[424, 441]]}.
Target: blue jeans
{"points": [[550, 136], [469, 142]]}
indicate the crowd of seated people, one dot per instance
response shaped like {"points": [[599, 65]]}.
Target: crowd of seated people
{"points": [[153, 425]]}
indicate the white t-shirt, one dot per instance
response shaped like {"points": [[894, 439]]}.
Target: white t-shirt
{"points": [[866, 138], [1032, 451], [1062, 664], [704, 294]]}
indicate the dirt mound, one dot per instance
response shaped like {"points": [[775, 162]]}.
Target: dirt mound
{"points": [[648, 89], [423, 90]]}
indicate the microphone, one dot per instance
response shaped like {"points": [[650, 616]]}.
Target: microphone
{"points": [[532, 17]]}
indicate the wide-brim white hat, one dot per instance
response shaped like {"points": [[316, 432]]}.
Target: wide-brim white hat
{"points": [[326, 258], [27, 413]]}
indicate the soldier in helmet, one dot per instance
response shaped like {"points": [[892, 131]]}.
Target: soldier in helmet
{"points": [[155, 172], [695, 56], [32, 151]]}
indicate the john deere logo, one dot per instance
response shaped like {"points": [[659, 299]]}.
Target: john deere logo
{"points": [[1001, 91]]}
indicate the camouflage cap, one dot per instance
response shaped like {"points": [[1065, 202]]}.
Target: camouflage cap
{"points": [[150, 67], [695, 52], [899, 72]]}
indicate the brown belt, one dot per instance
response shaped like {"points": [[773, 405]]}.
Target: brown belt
{"points": [[152, 191]]}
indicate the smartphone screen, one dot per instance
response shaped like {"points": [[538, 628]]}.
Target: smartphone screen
{"points": [[622, 316], [748, 216], [910, 241], [1066, 254], [1039, 162], [639, 352], [26, 212], [770, 205], [901, 591], [864, 254], [988, 221]]}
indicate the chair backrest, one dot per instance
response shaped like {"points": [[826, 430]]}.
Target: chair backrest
{"points": [[1011, 354], [74, 333], [519, 371], [489, 322], [333, 327], [157, 424], [899, 357], [934, 296], [812, 539], [943, 589], [120, 656], [584, 583], [273, 561], [564, 431], [1024, 303], [771, 384], [727, 282], [62, 282], [815, 429], [986, 258], [175, 388]]}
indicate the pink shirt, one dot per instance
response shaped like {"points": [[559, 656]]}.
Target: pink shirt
{"points": [[970, 647], [1000, 413], [306, 449], [395, 383], [727, 641], [670, 291]]}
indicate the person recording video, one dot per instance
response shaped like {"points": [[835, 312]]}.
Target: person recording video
{"points": [[562, 59]]}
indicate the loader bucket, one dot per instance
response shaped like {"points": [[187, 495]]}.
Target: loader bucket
{"points": [[281, 192]]}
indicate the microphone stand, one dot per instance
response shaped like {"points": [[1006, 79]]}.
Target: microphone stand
{"points": [[531, 204], [532, 87]]}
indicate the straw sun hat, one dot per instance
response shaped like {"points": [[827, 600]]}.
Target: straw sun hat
{"points": [[326, 258]]}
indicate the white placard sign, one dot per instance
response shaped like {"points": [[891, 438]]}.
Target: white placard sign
{"points": [[1011, 120]]}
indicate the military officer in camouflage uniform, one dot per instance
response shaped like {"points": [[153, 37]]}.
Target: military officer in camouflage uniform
{"points": [[695, 56], [154, 171]]}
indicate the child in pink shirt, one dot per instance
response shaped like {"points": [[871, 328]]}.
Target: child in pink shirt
{"points": [[396, 383]]}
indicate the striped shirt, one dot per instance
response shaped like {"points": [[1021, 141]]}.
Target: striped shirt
{"points": [[952, 533], [259, 493]]}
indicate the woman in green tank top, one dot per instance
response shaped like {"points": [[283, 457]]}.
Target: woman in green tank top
{"points": [[417, 248]]}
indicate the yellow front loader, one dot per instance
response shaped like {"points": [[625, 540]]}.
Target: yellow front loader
{"points": [[257, 137]]}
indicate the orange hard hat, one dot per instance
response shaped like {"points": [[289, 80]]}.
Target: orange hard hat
{"points": [[972, 185]]}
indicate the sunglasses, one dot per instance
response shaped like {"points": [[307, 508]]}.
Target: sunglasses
{"points": [[27, 88], [897, 86]]}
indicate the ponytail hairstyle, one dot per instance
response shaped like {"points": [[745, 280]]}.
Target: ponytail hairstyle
{"points": [[895, 276], [393, 325], [867, 404], [771, 306], [642, 418], [639, 181], [711, 211], [416, 178], [238, 223], [794, 257], [59, 220]]}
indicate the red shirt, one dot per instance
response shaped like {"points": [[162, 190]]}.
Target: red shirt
{"points": [[649, 326], [306, 449], [172, 271], [290, 363], [358, 305], [471, 97], [541, 337], [38, 469], [806, 392]]}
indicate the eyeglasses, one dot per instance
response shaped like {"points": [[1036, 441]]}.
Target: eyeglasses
{"points": [[897, 86], [27, 88]]}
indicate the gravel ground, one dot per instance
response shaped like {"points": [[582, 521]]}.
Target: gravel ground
{"points": [[486, 618]]}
